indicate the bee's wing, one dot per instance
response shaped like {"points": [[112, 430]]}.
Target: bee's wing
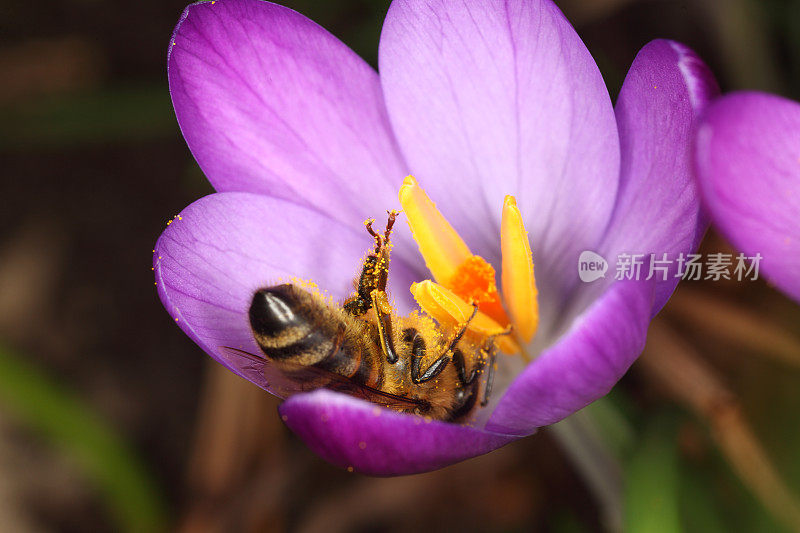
{"points": [[340, 383], [251, 359], [300, 378]]}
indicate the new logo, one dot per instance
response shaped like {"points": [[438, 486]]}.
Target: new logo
{"points": [[591, 266]]}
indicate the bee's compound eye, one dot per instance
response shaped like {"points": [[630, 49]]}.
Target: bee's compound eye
{"points": [[273, 310], [409, 334]]}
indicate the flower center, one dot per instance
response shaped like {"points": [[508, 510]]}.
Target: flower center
{"points": [[474, 282], [464, 279]]}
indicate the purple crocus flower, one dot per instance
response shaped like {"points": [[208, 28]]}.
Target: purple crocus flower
{"points": [[748, 161], [478, 100]]}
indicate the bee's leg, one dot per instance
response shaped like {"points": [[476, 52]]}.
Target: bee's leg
{"points": [[386, 233], [417, 354], [381, 276], [434, 370], [383, 312], [379, 240], [463, 330], [389, 224], [374, 272], [439, 364], [487, 391], [361, 302], [491, 349], [461, 368]]}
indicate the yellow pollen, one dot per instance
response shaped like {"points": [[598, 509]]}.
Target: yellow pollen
{"points": [[519, 283]]}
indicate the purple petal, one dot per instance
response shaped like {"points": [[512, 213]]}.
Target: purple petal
{"points": [[355, 434], [582, 366], [270, 102], [489, 98], [658, 209], [748, 160], [213, 257]]}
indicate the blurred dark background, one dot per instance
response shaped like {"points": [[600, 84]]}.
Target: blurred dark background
{"points": [[112, 419]]}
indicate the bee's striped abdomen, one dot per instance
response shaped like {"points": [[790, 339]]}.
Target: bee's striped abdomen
{"points": [[289, 327], [296, 330]]}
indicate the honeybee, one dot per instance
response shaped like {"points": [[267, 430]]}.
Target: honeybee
{"points": [[364, 348]]}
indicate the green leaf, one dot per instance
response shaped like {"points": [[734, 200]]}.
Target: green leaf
{"points": [[612, 423], [651, 482], [73, 428], [699, 502]]}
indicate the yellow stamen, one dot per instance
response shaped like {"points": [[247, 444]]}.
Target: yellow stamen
{"points": [[447, 255], [446, 307], [440, 245], [519, 283], [465, 278]]}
